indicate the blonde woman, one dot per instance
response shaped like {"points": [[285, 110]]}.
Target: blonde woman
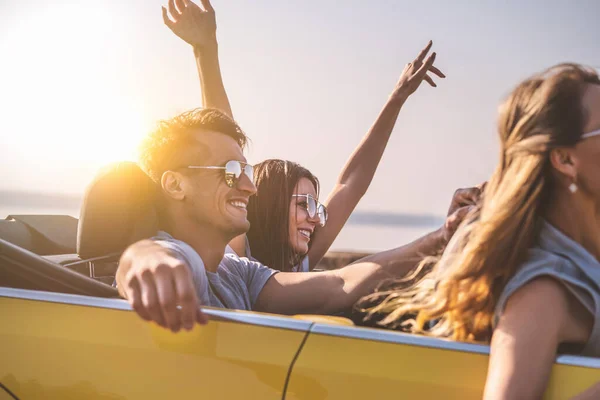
{"points": [[523, 270]]}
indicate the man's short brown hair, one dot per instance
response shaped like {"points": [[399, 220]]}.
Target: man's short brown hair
{"points": [[162, 148]]}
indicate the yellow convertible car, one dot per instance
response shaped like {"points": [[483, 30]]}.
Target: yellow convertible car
{"points": [[65, 334]]}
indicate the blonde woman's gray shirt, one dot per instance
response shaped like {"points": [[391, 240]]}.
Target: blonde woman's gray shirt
{"points": [[558, 256]]}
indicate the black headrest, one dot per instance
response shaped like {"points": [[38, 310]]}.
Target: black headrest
{"points": [[118, 209]]}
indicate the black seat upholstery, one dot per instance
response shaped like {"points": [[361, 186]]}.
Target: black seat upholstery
{"points": [[118, 209], [41, 234]]}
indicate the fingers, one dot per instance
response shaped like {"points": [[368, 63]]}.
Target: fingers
{"points": [[207, 6], [173, 10], [426, 65], [424, 52], [134, 295], [186, 296], [464, 197], [462, 212], [166, 18], [418, 71], [150, 298], [180, 5], [167, 298], [469, 196], [455, 219], [429, 80], [191, 5], [201, 318], [437, 72], [159, 286]]}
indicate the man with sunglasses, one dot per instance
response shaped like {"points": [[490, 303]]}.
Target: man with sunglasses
{"points": [[197, 160]]}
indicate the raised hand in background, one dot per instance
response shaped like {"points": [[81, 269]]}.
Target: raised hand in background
{"points": [[197, 26], [416, 72], [194, 24]]}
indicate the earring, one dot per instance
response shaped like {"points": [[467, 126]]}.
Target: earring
{"points": [[573, 187]]}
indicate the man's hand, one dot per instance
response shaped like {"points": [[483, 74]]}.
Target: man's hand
{"points": [[416, 72], [159, 286], [191, 23], [463, 202]]}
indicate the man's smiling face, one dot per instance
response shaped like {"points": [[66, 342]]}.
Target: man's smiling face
{"points": [[209, 200]]}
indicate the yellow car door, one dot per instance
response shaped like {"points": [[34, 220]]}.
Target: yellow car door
{"points": [[61, 346], [340, 362], [5, 394]]}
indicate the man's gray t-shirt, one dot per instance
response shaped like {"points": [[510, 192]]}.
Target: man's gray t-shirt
{"points": [[237, 282]]}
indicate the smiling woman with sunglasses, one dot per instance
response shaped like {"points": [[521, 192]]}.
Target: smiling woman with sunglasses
{"points": [[284, 215], [313, 207], [290, 229]]}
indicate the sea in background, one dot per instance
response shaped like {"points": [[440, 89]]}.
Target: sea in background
{"points": [[365, 231]]}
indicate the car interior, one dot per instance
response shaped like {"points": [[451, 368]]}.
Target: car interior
{"points": [[63, 254], [59, 253]]}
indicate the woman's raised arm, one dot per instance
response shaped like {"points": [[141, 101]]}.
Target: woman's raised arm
{"points": [[198, 27], [357, 174]]}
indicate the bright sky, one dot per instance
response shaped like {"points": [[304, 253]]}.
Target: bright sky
{"points": [[82, 82]]}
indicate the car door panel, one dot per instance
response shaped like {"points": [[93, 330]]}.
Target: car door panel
{"points": [[359, 363], [5, 394], [54, 348]]}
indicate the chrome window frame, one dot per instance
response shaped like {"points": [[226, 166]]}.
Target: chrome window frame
{"points": [[215, 314]]}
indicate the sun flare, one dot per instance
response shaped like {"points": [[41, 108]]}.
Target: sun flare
{"points": [[63, 96]]}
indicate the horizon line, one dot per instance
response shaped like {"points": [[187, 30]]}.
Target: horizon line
{"points": [[50, 200]]}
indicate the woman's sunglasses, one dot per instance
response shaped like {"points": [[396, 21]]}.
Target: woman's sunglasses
{"points": [[313, 207], [233, 171]]}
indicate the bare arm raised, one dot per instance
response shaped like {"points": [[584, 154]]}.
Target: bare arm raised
{"points": [[357, 174], [198, 27]]}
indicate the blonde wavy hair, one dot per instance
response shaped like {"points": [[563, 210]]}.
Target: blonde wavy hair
{"points": [[455, 295]]}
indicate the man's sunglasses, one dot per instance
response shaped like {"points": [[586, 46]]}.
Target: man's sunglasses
{"points": [[233, 171], [313, 207], [590, 134]]}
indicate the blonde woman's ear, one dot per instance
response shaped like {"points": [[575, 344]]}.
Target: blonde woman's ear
{"points": [[564, 162]]}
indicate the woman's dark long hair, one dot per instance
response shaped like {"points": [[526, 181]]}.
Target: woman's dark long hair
{"points": [[269, 212]]}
